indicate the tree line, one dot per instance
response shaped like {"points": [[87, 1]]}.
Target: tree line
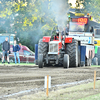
{"points": [[30, 20]]}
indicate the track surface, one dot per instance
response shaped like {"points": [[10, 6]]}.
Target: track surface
{"points": [[19, 78]]}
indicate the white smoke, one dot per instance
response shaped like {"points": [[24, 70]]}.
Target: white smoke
{"points": [[60, 8]]}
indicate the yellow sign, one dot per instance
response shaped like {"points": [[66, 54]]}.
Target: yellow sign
{"points": [[79, 14]]}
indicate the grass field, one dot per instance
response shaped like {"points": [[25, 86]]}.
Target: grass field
{"points": [[95, 65], [93, 97], [79, 92], [18, 63]]}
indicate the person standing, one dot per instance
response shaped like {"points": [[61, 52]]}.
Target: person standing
{"points": [[6, 49], [67, 29], [16, 49]]}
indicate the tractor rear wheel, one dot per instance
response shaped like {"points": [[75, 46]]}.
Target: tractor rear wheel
{"points": [[98, 55], [66, 61], [42, 49], [87, 62], [95, 61], [72, 51]]}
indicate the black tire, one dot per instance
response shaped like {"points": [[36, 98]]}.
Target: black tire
{"points": [[66, 61], [98, 55], [82, 64], [79, 54], [42, 49], [87, 62], [0, 55], [40, 60], [72, 51], [11, 60], [36, 62], [95, 61]]}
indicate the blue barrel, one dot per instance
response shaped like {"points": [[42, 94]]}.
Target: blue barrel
{"points": [[36, 51], [83, 53], [36, 54]]}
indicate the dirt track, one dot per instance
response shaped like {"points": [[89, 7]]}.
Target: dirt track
{"points": [[14, 79]]}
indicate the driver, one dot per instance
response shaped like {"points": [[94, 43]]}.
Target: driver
{"points": [[67, 29], [57, 32], [57, 35], [78, 29]]}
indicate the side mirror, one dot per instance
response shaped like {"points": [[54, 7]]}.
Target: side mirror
{"points": [[95, 42]]}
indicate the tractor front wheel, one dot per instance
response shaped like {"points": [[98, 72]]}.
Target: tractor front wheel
{"points": [[66, 61], [40, 61]]}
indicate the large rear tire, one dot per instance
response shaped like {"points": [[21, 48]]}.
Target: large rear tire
{"points": [[66, 61], [42, 49], [98, 55], [95, 61], [87, 62], [72, 51]]}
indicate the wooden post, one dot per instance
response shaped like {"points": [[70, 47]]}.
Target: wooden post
{"points": [[47, 84], [94, 78]]}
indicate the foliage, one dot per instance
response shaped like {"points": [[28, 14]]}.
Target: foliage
{"points": [[28, 19], [93, 7], [89, 6], [31, 19]]}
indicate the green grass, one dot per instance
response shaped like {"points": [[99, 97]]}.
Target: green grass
{"points": [[20, 63], [95, 65], [93, 97], [78, 92]]}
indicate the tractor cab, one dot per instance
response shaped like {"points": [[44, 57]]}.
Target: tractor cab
{"points": [[76, 27], [81, 29]]}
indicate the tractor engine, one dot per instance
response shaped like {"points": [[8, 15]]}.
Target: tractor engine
{"points": [[54, 55], [54, 47]]}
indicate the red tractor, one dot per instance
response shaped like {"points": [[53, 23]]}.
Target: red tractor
{"points": [[58, 50]]}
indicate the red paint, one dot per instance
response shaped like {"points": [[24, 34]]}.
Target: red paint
{"points": [[57, 37], [68, 40], [80, 20], [46, 39], [59, 46], [55, 40]]}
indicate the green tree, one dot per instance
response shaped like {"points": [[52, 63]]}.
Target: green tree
{"points": [[28, 19]]}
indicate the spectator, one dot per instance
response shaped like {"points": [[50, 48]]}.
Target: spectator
{"points": [[67, 29], [6, 48], [16, 49]]}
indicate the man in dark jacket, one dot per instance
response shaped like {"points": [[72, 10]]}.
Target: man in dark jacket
{"points": [[67, 29], [6, 49], [16, 49]]}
